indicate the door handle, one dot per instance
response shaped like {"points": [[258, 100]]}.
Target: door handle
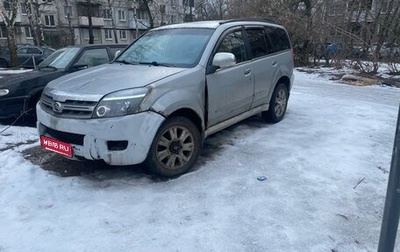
{"points": [[275, 63], [247, 71]]}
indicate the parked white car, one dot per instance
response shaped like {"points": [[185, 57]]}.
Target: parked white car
{"points": [[168, 91]]}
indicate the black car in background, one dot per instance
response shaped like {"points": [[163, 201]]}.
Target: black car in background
{"points": [[28, 56], [19, 93]]}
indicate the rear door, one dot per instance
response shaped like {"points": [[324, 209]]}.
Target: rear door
{"points": [[264, 63], [230, 90]]}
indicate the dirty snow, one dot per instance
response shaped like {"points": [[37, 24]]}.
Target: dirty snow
{"points": [[326, 168]]}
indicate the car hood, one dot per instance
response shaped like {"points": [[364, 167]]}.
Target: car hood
{"points": [[101, 80], [31, 78]]}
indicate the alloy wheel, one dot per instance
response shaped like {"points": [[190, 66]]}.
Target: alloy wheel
{"points": [[175, 147]]}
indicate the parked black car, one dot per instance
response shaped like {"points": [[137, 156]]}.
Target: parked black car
{"points": [[28, 56], [19, 93]]}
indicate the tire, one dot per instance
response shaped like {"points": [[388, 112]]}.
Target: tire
{"points": [[278, 104], [3, 63], [31, 109], [175, 147]]}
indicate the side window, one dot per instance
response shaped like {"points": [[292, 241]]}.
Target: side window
{"points": [[113, 50], [278, 38], [94, 57], [33, 50], [259, 43], [233, 42], [22, 50]]}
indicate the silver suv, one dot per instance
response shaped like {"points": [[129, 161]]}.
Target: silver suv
{"points": [[168, 91]]}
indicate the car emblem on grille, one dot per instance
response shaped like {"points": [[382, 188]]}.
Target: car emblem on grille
{"points": [[57, 107]]}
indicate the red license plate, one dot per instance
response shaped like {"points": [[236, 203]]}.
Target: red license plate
{"points": [[56, 146]]}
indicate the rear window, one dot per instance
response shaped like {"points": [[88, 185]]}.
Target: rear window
{"points": [[259, 42], [279, 38]]}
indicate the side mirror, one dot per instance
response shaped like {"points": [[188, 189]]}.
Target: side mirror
{"points": [[224, 59], [116, 54], [78, 67]]}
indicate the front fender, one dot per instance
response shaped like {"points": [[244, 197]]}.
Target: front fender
{"points": [[175, 100]]}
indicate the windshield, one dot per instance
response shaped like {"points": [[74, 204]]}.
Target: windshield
{"points": [[169, 47], [60, 58]]}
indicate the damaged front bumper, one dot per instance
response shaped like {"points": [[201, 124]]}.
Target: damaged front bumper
{"points": [[122, 140]]}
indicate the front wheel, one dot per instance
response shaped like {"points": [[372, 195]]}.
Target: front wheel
{"points": [[278, 104], [175, 147]]}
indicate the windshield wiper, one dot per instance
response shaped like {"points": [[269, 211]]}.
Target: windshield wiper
{"points": [[51, 67], [125, 62], [155, 63]]}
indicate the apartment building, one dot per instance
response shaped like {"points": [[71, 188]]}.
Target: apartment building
{"points": [[358, 17], [66, 22]]}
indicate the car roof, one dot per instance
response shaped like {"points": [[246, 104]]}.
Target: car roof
{"points": [[97, 45], [213, 24]]}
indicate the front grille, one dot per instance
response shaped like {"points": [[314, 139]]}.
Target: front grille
{"points": [[65, 136], [69, 108]]}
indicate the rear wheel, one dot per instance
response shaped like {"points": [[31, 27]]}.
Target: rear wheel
{"points": [[3, 63], [175, 147], [278, 104]]}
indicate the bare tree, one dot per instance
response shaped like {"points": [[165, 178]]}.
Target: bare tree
{"points": [[212, 9], [9, 14], [145, 4], [111, 4], [33, 9], [71, 32]]}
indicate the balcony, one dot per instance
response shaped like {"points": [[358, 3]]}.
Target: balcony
{"points": [[85, 2], [96, 21], [142, 24]]}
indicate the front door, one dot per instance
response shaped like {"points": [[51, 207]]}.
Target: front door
{"points": [[230, 90]]}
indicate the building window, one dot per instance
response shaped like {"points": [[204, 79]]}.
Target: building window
{"points": [[28, 32], [85, 33], [108, 34], [332, 9], [107, 14], [24, 9], [121, 15], [68, 11], [3, 32], [122, 34], [384, 6], [49, 20], [7, 5]]}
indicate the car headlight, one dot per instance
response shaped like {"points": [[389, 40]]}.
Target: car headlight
{"points": [[120, 103], [4, 92]]}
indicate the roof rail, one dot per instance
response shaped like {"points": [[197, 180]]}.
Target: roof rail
{"points": [[260, 19]]}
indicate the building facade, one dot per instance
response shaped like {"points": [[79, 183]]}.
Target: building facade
{"points": [[361, 20], [66, 22]]}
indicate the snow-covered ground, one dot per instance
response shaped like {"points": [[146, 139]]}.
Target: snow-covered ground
{"points": [[326, 168]]}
